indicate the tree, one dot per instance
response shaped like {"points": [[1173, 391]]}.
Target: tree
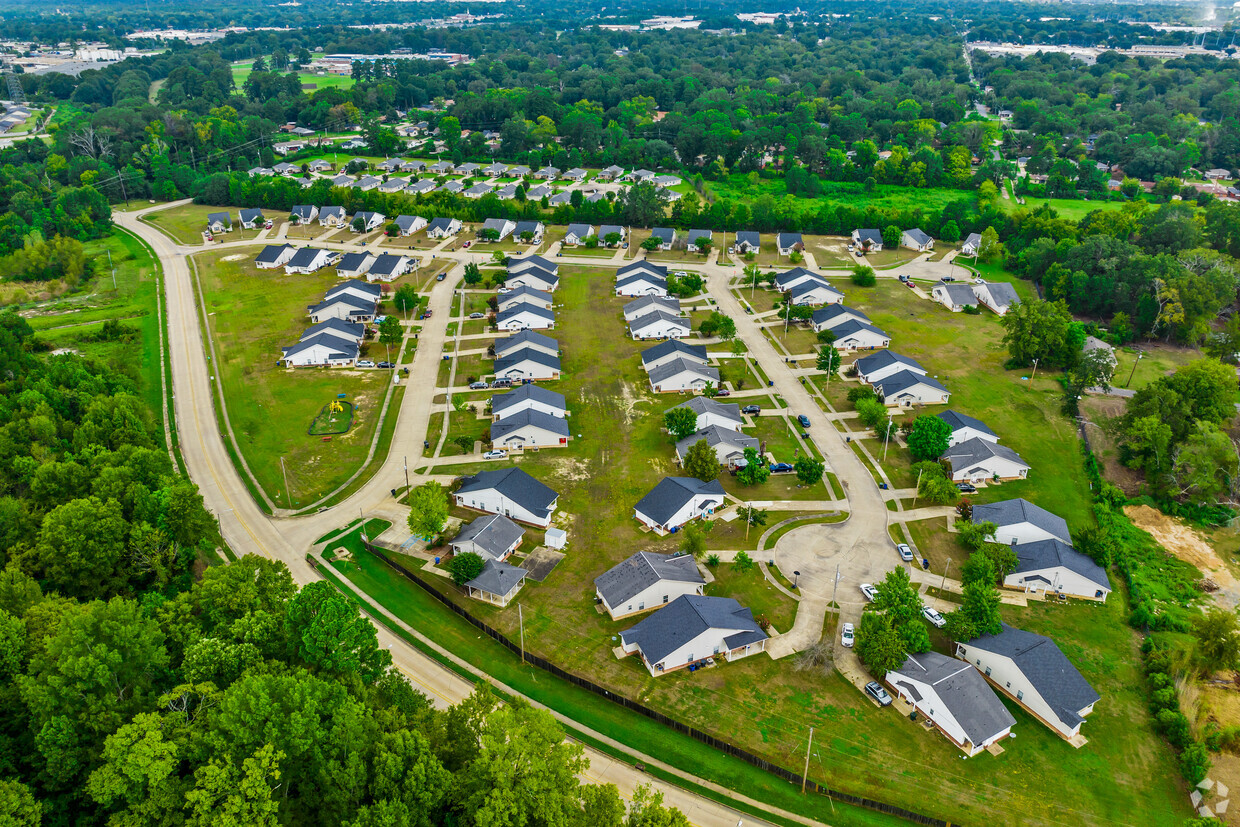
{"points": [[473, 274], [651, 244], [933, 484], [428, 510], [929, 437], [612, 239], [680, 422], [647, 810], [752, 516], [19, 807], [642, 206], [828, 359], [717, 324], [465, 567], [81, 549], [391, 333], [227, 796], [863, 276], [488, 234], [871, 413], [973, 535], [809, 471], [358, 224], [1043, 331], [950, 232], [755, 471], [326, 631], [977, 569], [694, 542], [898, 599], [990, 250], [701, 461], [406, 298], [878, 644], [1206, 467], [891, 236], [980, 608]]}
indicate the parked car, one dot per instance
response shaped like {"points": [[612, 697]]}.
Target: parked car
{"points": [[869, 591], [876, 691], [781, 468], [680, 274], [846, 636], [425, 315], [949, 278], [723, 392], [966, 487], [502, 383], [752, 409], [906, 553], [904, 279], [477, 315], [365, 363], [934, 617], [804, 420], [386, 365], [478, 386], [909, 284], [495, 455], [441, 277]]}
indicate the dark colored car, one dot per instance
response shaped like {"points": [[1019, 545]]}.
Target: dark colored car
{"points": [[966, 487], [781, 468], [478, 386], [441, 277], [723, 392], [904, 279], [804, 420], [751, 409], [386, 365], [502, 383]]}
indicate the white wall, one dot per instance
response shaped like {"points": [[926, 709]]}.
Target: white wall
{"points": [[491, 502], [682, 382], [530, 436], [1007, 676], [652, 597], [967, 433], [1023, 533], [528, 370], [994, 465], [1067, 581], [662, 330]]}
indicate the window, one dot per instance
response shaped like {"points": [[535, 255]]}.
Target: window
{"points": [[988, 671], [1020, 695], [641, 605], [664, 598]]}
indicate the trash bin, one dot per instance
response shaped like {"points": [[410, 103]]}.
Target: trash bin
{"points": [[883, 485], [437, 561], [393, 492]]}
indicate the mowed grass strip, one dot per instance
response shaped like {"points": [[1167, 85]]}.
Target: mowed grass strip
{"points": [[187, 223], [252, 314]]}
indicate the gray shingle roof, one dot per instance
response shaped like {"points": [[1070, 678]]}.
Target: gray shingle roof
{"points": [[631, 577], [639, 267], [671, 304], [1001, 293], [518, 341], [538, 419], [440, 224], [695, 352], [405, 221], [786, 240], [517, 357], [350, 330], [965, 454], [973, 240], [537, 273], [386, 264], [605, 230], [1046, 554], [338, 347], [657, 316], [669, 369], [524, 292], [903, 380], [271, 253], [358, 305], [671, 494], [526, 227], [328, 212], [525, 307], [355, 285], [518, 265], [536, 393], [852, 326], [825, 315], [221, 217], [687, 617], [493, 533], [303, 257], [1051, 673], [703, 404], [302, 211], [968, 697], [514, 484], [716, 435], [885, 358], [958, 420], [581, 231], [693, 236], [873, 236], [749, 237], [497, 578], [351, 262], [957, 294], [251, 215], [785, 279], [664, 234], [1011, 512], [640, 278], [811, 286], [918, 236]]}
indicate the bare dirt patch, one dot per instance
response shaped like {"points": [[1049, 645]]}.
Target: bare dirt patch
{"points": [[237, 257], [1191, 547], [1097, 410]]}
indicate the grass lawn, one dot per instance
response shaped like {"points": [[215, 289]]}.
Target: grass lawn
{"points": [[1070, 208], [760, 299], [1157, 360], [739, 372], [777, 434], [768, 256], [936, 544], [310, 81], [252, 313], [751, 589], [798, 340], [747, 187], [186, 223]]}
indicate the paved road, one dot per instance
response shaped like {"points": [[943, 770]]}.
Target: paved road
{"points": [[247, 530]]}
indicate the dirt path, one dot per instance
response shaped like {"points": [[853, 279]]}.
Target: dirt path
{"points": [[1191, 547]]}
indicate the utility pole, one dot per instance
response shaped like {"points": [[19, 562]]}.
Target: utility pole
{"points": [[808, 749], [407, 474], [113, 268], [748, 520], [943, 585], [918, 488], [284, 471], [887, 438], [835, 585], [1035, 372], [1135, 362]]}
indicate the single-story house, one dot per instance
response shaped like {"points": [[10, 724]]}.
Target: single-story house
{"points": [[440, 168], [443, 227], [915, 239], [1020, 521], [322, 350], [343, 306], [350, 332], [833, 315], [747, 241], [532, 262], [972, 244], [696, 237], [669, 351], [535, 229], [393, 185], [965, 427], [357, 288], [712, 412], [390, 165], [495, 170], [692, 629], [955, 297], [907, 388], [998, 296], [304, 213], [525, 316], [812, 292], [547, 173], [219, 222], [502, 226], [644, 304], [795, 277], [729, 445], [1094, 343], [274, 255], [541, 191], [519, 171], [857, 335], [639, 176], [641, 268], [318, 165], [789, 243], [492, 537], [497, 583], [535, 277], [529, 429], [1218, 175], [677, 500], [981, 460], [641, 284], [666, 236], [611, 173], [370, 220], [506, 192], [511, 492], [528, 398], [868, 240], [251, 218], [575, 174], [527, 365], [367, 183], [452, 186], [477, 190], [659, 324], [331, 217], [679, 375], [258, 171], [410, 224], [607, 230], [955, 698], [1055, 566], [354, 264], [343, 180], [526, 339], [1031, 670], [387, 267], [421, 187], [307, 260], [576, 234], [878, 366], [647, 581], [523, 295]]}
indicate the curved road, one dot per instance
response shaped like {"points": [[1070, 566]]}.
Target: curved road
{"points": [[248, 530]]}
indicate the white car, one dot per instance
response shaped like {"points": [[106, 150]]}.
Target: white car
{"points": [[365, 363], [936, 619], [495, 455], [906, 553], [477, 315], [846, 636], [869, 591]]}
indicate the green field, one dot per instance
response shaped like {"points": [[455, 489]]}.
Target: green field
{"points": [[1070, 208], [310, 82], [186, 223], [252, 313], [743, 188]]}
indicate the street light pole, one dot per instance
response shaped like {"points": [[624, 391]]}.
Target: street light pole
{"points": [[887, 438], [1035, 372], [943, 585], [1134, 369], [835, 585]]}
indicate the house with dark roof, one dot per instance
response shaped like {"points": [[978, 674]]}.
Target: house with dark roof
{"points": [[318, 165], [250, 218], [548, 173], [532, 262], [352, 265], [982, 460], [641, 306], [647, 581], [491, 537], [529, 232], [697, 237], [965, 427], [665, 352], [747, 241], [955, 297], [998, 296], [576, 234], [523, 295], [679, 375], [527, 365], [501, 227], [729, 445], [495, 169], [1031, 670], [410, 224], [641, 268], [443, 227], [452, 186], [541, 191], [575, 174], [274, 255], [511, 492], [355, 287], [677, 500], [393, 185], [304, 213], [711, 412], [606, 230], [795, 277], [332, 217], [526, 339], [308, 260], [639, 176], [833, 315], [869, 240], [955, 698], [907, 388], [343, 180], [387, 267], [529, 429], [219, 222], [878, 366], [367, 183], [535, 277], [421, 187], [659, 324], [528, 398], [692, 630], [321, 350], [1053, 566], [972, 245], [370, 221], [789, 243], [351, 332], [812, 292], [506, 192], [1020, 521], [641, 284], [610, 173], [854, 335], [497, 583], [477, 190], [345, 307], [525, 316], [915, 239], [666, 236]]}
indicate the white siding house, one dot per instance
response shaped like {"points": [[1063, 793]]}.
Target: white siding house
{"points": [[647, 581]]}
